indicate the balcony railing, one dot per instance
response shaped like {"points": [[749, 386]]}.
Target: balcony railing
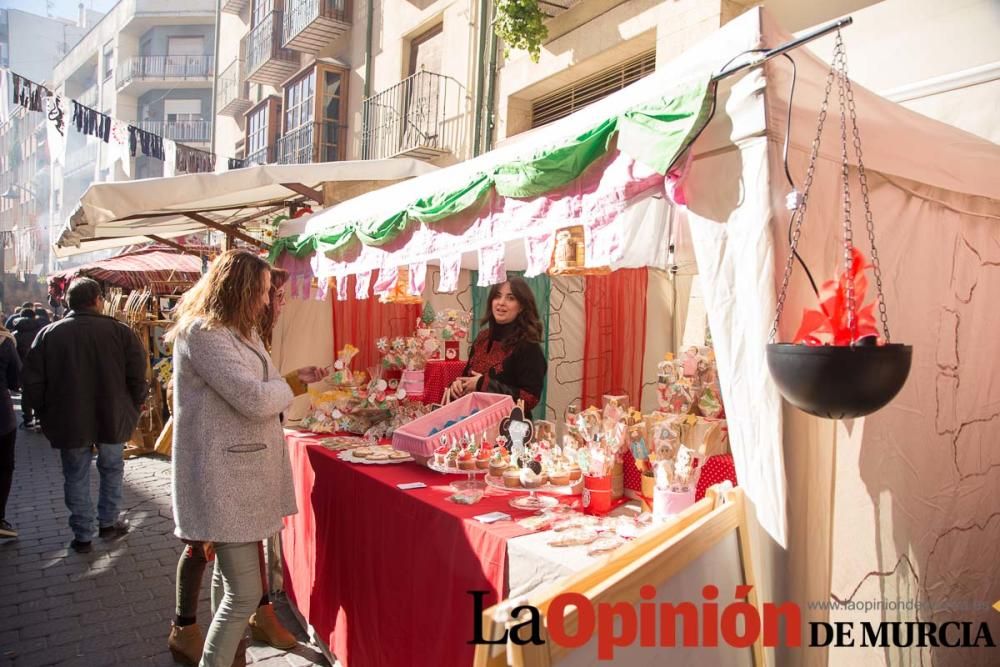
{"points": [[233, 95], [184, 131], [417, 117], [262, 156], [144, 68], [266, 61], [313, 142], [310, 25]]}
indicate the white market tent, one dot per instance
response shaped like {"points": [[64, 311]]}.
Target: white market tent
{"points": [[112, 215], [838, 500]]}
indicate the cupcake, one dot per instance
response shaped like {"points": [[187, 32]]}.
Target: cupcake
{"points": [[512, 478], [498, 465], [440, 454], [451, 459], [466, 461], [559, 476], [530, 479], [483, 459]]}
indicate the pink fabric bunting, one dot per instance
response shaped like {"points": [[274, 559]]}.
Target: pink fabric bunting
{"points": [[451, 267], [387, 278], [362, 282], [342, 288], [603, 245], [538, 250], [418, 278], [491, 265]]}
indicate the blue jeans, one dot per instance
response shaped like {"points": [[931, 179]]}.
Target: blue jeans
{"points": [[76, 487]]}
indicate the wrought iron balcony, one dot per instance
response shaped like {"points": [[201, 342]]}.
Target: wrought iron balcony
{"points": [[184, 131], [165, 68], [313, 142], [310, 25], [265, 60], [233, 91], [263, 156], [422, 116]]}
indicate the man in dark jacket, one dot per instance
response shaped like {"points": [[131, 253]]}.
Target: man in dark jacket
{"points": [[86, 377], [25, 327], [9, 322]]}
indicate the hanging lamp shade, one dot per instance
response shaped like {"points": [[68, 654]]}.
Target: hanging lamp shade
{"points": [[839, 381], [840, 366]]}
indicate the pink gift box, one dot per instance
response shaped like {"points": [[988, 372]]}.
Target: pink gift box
{"points": [[420, 439]]}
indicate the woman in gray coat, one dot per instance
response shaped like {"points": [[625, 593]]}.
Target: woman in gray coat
{"points": [[232, 481]]}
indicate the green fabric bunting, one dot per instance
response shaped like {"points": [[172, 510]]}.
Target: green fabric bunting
{"points": [[655, 133], [555, 168]]}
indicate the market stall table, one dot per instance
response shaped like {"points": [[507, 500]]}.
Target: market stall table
{"points": [[381, 574]]}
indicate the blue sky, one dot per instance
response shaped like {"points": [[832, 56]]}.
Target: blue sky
{"points": [[64, 8]]}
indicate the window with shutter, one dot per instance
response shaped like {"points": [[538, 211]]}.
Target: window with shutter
{"points": [[564, 101]]}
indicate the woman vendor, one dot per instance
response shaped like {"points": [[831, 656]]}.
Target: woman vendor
{"points": [[506, 357]]}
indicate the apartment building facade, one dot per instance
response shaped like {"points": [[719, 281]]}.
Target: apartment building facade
{"points": [[319, 80], [30, 45], [149, 63]]}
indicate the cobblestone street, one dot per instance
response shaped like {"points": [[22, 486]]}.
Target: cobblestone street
{"points": [[109, 607]]}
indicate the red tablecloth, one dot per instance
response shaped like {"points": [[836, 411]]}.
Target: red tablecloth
{"points": [[383, 574]]}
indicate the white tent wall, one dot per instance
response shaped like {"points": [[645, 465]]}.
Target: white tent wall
{"points": [[900, 505]]}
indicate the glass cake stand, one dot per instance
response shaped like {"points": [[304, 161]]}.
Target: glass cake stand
{"points": [[532, 501], [461, 485]]}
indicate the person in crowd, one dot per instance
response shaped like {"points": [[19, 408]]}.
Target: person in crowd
{"points": [[10, 375], [25, 327], [232, 481], [186, 641], [9, 322], [86, 377], [507, 357], [42, 315]]}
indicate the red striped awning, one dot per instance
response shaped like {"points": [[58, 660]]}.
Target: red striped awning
{"points": [[139, 269]]}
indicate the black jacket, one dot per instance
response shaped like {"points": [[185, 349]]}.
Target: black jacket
{"points": [[86, 377], [25, 329], [10, 380]]}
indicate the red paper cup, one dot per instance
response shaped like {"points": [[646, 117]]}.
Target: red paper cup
{"points": [[596, 495]]}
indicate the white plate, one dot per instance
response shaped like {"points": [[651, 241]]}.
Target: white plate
{"points": [[350, 458]]}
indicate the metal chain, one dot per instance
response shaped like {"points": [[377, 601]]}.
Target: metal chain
{"points": [[840, 64], [869, 222], [800, 211]]}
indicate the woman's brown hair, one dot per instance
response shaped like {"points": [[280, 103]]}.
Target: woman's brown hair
{"points": [[266, 330], [528, 325], [228, 295]]}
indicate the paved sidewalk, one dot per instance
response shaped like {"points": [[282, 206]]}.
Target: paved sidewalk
{"points": [[109, 607]]}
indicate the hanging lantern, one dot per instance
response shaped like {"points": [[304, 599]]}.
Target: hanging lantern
{"points": [[401, 292], [838, 366]]}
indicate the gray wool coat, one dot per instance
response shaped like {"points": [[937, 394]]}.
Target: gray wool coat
{"points": [[232, 481]]}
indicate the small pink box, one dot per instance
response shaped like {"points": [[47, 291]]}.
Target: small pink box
{"points": [[473, 414]]}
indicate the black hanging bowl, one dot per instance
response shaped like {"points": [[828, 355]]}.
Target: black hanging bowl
{"points": [[839, 382]]}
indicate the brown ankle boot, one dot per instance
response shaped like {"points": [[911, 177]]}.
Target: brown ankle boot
{"points": [[265, 627], [186, 644]]}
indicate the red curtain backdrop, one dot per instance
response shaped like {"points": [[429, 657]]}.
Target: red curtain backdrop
{"points": [[361, 323], [614, 336]]}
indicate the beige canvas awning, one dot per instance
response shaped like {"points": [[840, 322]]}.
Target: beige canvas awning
{"points": [[119, 214]]}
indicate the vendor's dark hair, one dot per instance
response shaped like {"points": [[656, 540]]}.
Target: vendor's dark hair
{"points": [[528, 325], [83, 293]]}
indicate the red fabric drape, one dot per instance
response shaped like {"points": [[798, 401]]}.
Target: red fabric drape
{"points": [[615, 335], [361, 323]]}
